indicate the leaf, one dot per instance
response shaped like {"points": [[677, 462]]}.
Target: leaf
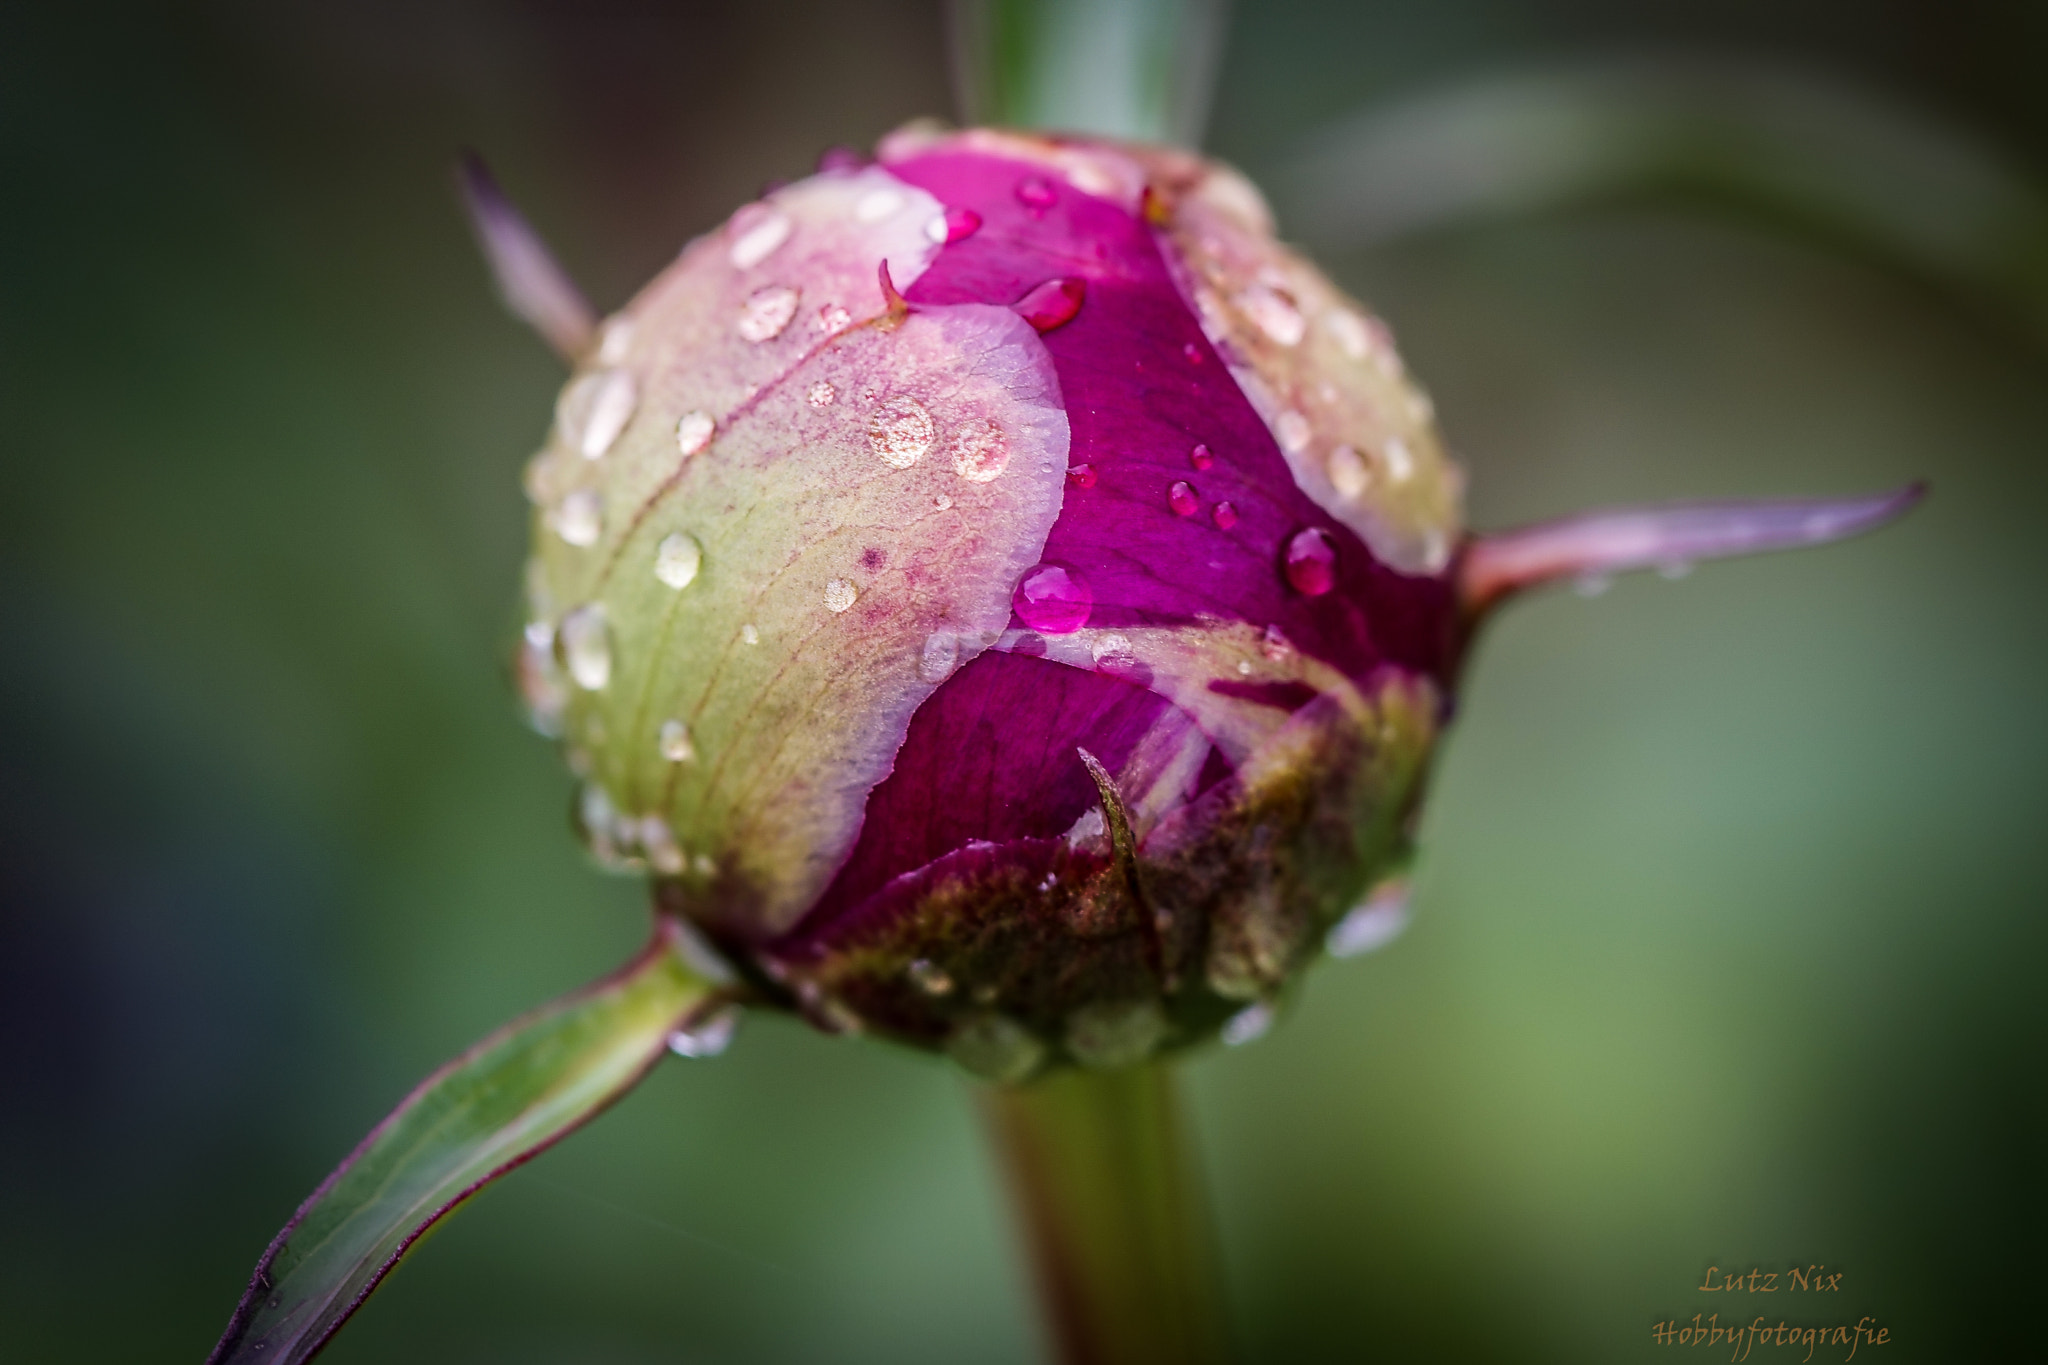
{"points": [[497, 1105]]}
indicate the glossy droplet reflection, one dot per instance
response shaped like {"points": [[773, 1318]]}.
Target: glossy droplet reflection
{"points": [[677, 559], [1274, 313], [1053, 304], [584, 639], [980, 451], [930, 977], [1182, 499], [1200, 457], [706, 1037], [594, 409], [693, 431], [953, 225], [900, 432], [1053, 599], [1373, 924], [821, 394], [996, 1048], [579, 520], [674, 742], [766, 313], [1248, 1025], [1036, 194], [1081, 476], [1312, 562], [756, 231], [840, 594], [1224, 515], [1348, 474]]}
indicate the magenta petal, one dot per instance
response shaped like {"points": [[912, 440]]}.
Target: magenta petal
{"points": [[1595, 544], [989, 759]]}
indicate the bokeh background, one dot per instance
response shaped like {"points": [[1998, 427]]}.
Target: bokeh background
{"points": [[1728, 930]]}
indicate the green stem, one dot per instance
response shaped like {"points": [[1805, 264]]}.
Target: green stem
{"points": [[1120, 68], [1103, 1177]]}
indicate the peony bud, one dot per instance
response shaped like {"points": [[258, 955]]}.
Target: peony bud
{"points": [[1005, 599]]}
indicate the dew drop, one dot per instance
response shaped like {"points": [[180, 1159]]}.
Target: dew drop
{"points": [[1052, 304], [1312, 562], [1081, 476], [1274, 313], [693, 431], [1372, 924], [766, 312], [1115, 1034], [840, 594], [594, 409], [876, 205], [900, 432], [821, 395], [615, 340], [1200, 457], [929, 977], [1348, 474], [1224, 515], [1244, 667], [706, 1037], [1181, 498], [980, 451], [749, 634], [939, 657], [832, 319], [658, 842], [953, 225], [541, 684], [1036, 194], [1054, 600], [579, 519], [1248, 1025], [1350, 332], [756, 231], [943, 501], [996, 1048], [1293, 430], [1192, 352], [1400, 461], [677, 559], [585, 642], [675, 743]]}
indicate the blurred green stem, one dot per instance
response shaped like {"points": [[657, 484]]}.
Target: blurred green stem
{"points": [[1103, 1178], [1120, 68]]}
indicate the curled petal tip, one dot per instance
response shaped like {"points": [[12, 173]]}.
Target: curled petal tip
{"points": [[1598, 544], [530, 280]]}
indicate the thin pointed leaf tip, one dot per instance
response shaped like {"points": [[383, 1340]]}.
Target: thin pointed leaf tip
{"points": [[926, 476], [529, 279]]}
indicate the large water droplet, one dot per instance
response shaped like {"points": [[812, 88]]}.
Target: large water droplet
{"points": [[594, 409], [584, 639], [1052, 304], [996, 1048], [840, 594], [821, 394], [1200, 457], [766, 312], [1373, 924], [1248, 1025], [706, 1037], [876, 205], [1225, 516], [980, 450], [1181, 498], [693, 431], [674, 742], [1119, 1034], [939, 657], [1053, 599], [1274, 313], [579, 519], [1348, 474], [1036, 194], [677, 559], [900, 432], [1312, 562], [1081, 476], [756, 230]]}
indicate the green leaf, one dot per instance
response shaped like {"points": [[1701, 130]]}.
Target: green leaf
{"points": [[505, 1100]]}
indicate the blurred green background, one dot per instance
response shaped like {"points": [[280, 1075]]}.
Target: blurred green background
{"points": [[1728, 932]]}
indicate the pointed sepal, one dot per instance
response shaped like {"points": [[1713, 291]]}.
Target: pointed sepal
{"points": [[530, 279]]}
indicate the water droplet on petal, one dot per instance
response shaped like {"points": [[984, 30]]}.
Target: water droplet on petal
{"points": [[1081, 476], [1115, 1034], [1312, 562], [1348, 474], [930, 977], [1052, 304], [939, 657], [677, 559], [821, 395], [980, 450], [1349, 330], [594, 409], [766, 312], [1244, 667], [1400, 460], [952, 226], [832, 319], [749, 634], [1373, 924], [585, 642], [1036, 194], [756, 230], [943, 501], [996, 1048], [706, 1037], [615, 340], [693, 431], [658, 842], [1293, 431], [900, 432], [1192, 352], [1181, 498], [579, 519], [877, 204], [1054, 600], [840, 594], [1274, 313], [675, 742], [1200, 457], [1225, 516], [1248, 1025], [541, 684]]}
